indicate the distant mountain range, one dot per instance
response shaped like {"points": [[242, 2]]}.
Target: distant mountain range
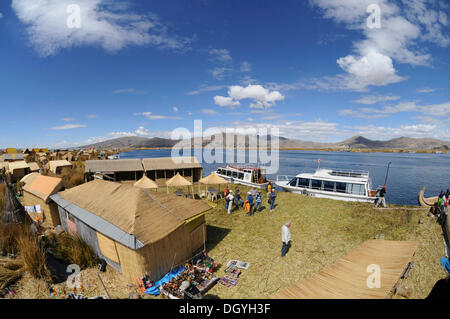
{"points": [[359, 142]]}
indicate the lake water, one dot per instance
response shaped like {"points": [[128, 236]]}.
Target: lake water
{"points": [[407, 173]]}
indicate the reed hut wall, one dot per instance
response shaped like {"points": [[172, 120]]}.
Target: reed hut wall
{"points": [[49, 210], [86, 233]]}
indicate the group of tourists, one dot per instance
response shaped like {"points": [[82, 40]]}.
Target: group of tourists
{"points": [[252, 203]]}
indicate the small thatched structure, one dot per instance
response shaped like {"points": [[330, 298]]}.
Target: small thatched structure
{"points": [[56, 166], [178, 181], [13, 211], [136, 231], [17, 170], [212, 179], [38, 192], [146, 183], [34, 167], [12, 157]]}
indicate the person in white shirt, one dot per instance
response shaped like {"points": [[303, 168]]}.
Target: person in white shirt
{"points": [[285, 238], [230, 198]]}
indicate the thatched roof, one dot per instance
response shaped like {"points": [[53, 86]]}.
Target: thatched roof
{"points": [[12, 166], [33, 166], [149, 216], [13, 157], [146, 183], [178, 181], [53, 165], [29, 178], [13, 211], [213, 179], [170, 163], [111, 166], [43, 187]]}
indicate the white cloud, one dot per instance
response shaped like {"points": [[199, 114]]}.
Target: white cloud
{"points": [[175, 109], [403, 28], [373, 99], [425, 90], [221, 55], [104, 24], [220, 72], [372, 69], [92, 116], [209, 112], [205, 88], [68, 127], [67, 119], [151, 116], [262, 97], [129, 91], [245, 67], [226, 102], [441, 110], [1, 15]]}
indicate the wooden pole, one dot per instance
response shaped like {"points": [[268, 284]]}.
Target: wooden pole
{"points": [[98, 274]]}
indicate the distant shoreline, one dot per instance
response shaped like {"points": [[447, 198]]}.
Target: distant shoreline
{"points": [[362, 150]]}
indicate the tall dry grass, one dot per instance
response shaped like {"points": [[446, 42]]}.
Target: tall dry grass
{"points": [[33, 255], [72, 250]]}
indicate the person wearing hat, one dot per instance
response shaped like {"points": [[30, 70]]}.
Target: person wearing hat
{"points": [[230, 198], [251, 203], [380, 198]]}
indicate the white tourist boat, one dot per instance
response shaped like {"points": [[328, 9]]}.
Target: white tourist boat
{"points": [[244, 175], [346, 185]]}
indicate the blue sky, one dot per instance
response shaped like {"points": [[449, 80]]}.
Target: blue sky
{"points": [[316, 70]]}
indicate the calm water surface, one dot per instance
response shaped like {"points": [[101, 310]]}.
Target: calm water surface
{"points": [[407, 173]]}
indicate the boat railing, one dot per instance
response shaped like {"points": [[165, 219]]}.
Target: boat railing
{"points": [[348, 173], [283, 178]]}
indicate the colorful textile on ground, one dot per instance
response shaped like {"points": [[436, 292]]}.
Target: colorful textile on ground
{"points": [[167, 278]]}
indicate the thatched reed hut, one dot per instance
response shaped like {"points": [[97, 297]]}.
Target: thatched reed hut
{"points": [[29, 178], [56, 167], [38, 192], [118, 170], [164, 168], [135, 230], [17, 170], [34, 167], [13, 157], [146, 183]]}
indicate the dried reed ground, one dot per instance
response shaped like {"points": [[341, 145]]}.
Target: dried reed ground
{"points": [[323, 231]]}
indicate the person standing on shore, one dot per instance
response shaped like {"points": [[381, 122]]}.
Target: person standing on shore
{"points": [[380, 197], [272, 197], [230, 198], [237, 198], [258, 201], [251, 203], [285, 238]]}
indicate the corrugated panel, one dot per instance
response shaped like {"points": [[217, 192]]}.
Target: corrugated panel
{"points": [[98, 223]]}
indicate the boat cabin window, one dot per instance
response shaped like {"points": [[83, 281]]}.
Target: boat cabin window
{"points": [[293, 182], [316, 184], [241, 176], [234, 174], [303, 182], [356, 189], [328, 186], [228, 173], [341, 187]]}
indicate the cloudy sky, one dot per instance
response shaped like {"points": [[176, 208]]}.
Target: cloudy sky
{"points": [[81, 71]]}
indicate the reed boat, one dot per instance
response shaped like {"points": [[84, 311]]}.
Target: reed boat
{"points": [[426, 201]]}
